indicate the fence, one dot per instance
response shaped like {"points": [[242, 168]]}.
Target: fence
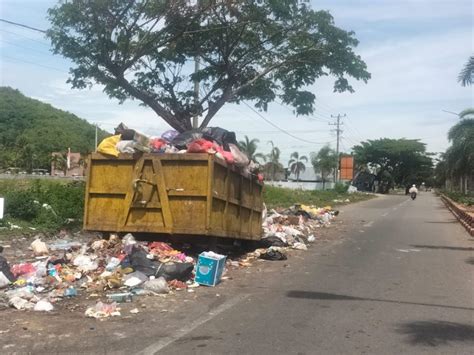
{"points": [[301, 185]]}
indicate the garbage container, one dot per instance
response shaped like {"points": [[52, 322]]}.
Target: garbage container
{"points": [[189, 194]]}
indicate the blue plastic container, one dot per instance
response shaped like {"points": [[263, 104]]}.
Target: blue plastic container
{"points": [[209, 268]]}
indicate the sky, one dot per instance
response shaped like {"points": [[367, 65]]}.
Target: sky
{"points": [[414, 50]]}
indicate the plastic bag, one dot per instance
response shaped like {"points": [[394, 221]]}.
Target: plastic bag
{"points": [[240, 159], [126, 147], [85, 263], [200, 146], [135, 278], [221, 136], [182, 140], [108, 146], [273, 255], [43, 306], [6, 270], [158, 285], [169, 135], [175, 271], [39, 247]]}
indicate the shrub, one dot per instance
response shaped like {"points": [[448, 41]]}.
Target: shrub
{"points": [[341, 188], [22, 205]]}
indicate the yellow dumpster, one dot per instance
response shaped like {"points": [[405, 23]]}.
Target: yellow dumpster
{"points": [[187, 194]]}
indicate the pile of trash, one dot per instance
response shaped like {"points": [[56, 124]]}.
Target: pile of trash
{"points": [[211, 140], [115, 269], [293, 228]]}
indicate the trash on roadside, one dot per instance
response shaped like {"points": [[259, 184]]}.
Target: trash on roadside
{"points": [[39, 247], [158, 285], [120, 297], [43, 306], [103, 310], [273, 255], [209, 268]]}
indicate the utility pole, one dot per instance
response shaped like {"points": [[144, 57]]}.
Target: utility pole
{"points": [[338, 125], [196, 93], [96, 137]]}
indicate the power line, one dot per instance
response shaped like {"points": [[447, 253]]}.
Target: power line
{"points": [[28, 38], [310, 117], [24, 47], [22, 25], [33, 63], [277, 127]]}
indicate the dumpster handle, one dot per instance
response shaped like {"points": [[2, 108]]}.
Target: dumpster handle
{"points": [[137, 181]]}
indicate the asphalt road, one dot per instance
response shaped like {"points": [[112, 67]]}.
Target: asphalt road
{"points": [[390, 276], [401, 282]]}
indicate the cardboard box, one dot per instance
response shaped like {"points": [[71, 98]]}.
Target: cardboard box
{"points": [[209, 268]]}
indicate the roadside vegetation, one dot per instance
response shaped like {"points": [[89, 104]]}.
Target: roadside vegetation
{"points": [[281, 197], [459, 197], [41, 205]]}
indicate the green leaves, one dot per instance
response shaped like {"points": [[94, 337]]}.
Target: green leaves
{"points": [[248, 50], [395, 161]]}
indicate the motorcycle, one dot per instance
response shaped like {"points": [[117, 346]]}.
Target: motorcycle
{"points": [[413, 195]]}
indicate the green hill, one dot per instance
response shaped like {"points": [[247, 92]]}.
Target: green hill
{"points": [[30, 130]]}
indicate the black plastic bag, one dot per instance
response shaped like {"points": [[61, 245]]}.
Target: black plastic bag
{"points": [[175, 271], [170, 271], [221, 136], [272, 241], [140, 262], [5, 268], [182, 140], [273, 255]]}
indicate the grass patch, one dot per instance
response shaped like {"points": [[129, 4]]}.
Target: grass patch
{"points": [[281, 197]]}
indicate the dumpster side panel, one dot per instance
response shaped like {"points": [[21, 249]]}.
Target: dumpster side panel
{"points": [[171, 193], [106, 192], [187, 186]]}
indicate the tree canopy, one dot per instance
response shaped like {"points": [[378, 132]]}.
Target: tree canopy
{"points": [[31, 130], [259, 51], [395, 161]]}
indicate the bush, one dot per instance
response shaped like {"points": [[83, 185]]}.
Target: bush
{"points": [[47, 204], [22, 205], [341, 188]]}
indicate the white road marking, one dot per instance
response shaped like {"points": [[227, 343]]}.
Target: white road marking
{"points": [[164, 342], [407, 250], [369, 224], [385, 214]]}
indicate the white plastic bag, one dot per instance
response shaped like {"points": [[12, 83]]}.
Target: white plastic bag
{"points": [[43, 306], [158, 285], [39, 247]]}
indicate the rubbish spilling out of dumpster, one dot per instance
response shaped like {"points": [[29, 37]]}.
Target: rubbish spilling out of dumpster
{"points": [[112, 270], [117, 270]]}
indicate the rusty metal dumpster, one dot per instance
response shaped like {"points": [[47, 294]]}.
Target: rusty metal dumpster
{"points": [[180, 194]]}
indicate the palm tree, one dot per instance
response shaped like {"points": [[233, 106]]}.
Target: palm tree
{"points": [[324, 162], [249, 148], [467, 113], [273, 161], [296, 164], [465, 76], [460, 155]]}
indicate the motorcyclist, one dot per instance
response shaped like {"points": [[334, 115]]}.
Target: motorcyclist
{"points": [[413, 191]]}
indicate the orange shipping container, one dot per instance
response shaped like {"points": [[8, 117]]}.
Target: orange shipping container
{"points": [[347, 168]]}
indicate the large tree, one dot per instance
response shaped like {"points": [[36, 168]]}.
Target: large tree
{"points": [[247, 50], [324, 162], [395, 161]]}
